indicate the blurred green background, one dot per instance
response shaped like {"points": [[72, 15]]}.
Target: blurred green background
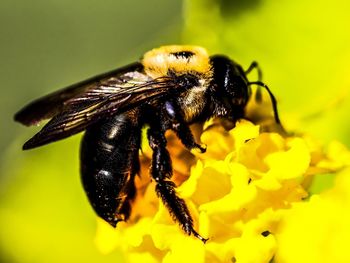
{"points": [[303, 48], [46, 45]]}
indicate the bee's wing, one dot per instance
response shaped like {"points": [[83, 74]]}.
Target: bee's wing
{"points": [[104, 100], [51, 104]]}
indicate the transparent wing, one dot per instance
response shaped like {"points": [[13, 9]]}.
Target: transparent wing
{"points": [[51, 104], [102, 101]]}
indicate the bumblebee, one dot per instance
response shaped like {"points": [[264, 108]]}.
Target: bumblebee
{"points": [[171, 87]]}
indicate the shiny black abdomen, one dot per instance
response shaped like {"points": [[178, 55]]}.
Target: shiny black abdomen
{"points": [[109, 162]]}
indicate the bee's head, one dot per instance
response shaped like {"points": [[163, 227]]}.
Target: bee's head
{"points": [[230, 84]]}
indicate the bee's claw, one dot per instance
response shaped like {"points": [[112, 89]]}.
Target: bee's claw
{"points": [[204, 240]]}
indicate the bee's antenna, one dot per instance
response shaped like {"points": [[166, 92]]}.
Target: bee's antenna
{"points": [[272, 97], [255, 65]]}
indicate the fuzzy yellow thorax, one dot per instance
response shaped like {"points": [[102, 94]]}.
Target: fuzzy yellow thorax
{"points": [[159, 61]]}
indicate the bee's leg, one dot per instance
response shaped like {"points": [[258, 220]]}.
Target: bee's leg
{"points": [[161, 171], [255, 65], [184, 133], [181, 128]]}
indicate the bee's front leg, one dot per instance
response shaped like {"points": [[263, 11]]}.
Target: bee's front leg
{"points": [[181, 128], [161, 171]]}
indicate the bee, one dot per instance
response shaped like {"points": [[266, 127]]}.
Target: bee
{"points": [[171, 87]]}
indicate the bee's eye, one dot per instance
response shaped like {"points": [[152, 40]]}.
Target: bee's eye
{"points": [[237, 85], [238, 89]]}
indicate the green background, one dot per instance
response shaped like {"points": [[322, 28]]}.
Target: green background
{"points": [[46, 45], [303, 48]]}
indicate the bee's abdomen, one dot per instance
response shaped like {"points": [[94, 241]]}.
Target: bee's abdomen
{"points": [[109, 162]]}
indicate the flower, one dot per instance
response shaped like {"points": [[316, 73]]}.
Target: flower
{"points": [[248, 194]]}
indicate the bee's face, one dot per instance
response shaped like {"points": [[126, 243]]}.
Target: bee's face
{"points": [[230, 82], [238, 90]]}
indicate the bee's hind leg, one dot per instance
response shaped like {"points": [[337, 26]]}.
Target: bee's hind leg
{"points": [[161, 171]]}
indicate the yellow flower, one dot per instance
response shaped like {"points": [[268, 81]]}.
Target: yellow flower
{"points": [[318, 230], [248, 195]]}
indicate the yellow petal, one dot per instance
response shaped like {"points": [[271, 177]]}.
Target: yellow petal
{"points": [[289, 164]]}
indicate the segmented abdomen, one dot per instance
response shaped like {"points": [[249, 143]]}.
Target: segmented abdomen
{"points": [[109, 162]]}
